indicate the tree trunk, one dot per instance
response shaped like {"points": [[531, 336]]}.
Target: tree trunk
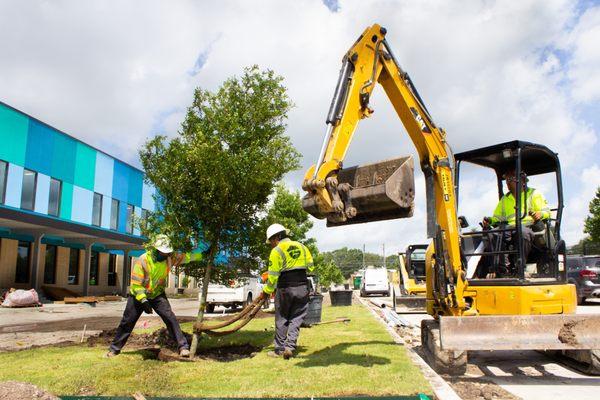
{"points": [[202, 305]]}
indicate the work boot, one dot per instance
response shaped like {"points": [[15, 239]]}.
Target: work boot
{"points": [[110, 354], [184, 353], [287, 354], [274, 354]]}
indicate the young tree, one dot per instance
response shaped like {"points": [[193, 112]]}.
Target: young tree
{"points": [[215, 177], [592, 222]]}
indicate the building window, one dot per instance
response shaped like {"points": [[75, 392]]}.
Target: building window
{"points": [[94, 267], [114, 214], [23, 256], [3, 173], [50, 265], [97, 210], [74, 267], [54, 198], [129, 227], [112, 270], [28, 192], [144, 218]]}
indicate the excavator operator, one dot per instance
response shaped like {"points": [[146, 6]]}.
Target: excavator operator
{"points": [[505, 216]]}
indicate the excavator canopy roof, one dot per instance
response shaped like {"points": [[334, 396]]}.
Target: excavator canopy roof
{"points": [[535, 158]]}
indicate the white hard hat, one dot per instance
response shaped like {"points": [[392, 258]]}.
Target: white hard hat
{"points": [[163, 244], [274, 230]]}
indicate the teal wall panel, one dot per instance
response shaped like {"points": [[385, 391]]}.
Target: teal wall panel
{"points": [[85, 166], [63, 157], [66, 200], [13, 135], [40, 147]]}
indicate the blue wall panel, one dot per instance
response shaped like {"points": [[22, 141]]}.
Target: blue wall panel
{"points": [[120, 181], [14, 186], [42, 193], [83, 202], [122, 217], [105, 166], [135, 187], [63, 158], [106, 203], [40, 147]]}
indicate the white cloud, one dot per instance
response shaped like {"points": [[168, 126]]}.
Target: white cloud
{"points": [[585, 49], [115, 73]]}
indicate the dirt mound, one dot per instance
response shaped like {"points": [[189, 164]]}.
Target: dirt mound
{"points": [[11, 390], [160, 346], [469, 389], [158, 338]]}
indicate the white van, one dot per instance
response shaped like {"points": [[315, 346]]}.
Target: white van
{"points": [[238, 293], [375, 281]]}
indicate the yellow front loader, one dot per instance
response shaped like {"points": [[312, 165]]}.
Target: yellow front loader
{"points": [[523, 310]]}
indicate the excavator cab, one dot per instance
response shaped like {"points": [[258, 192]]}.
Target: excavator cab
{"points": [[525, 253]]}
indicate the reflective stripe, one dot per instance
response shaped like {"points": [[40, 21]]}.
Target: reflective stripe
{"points": [[273, 273], [138, 291], [295, 268], [283, 257]]}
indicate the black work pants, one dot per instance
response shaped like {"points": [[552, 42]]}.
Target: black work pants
{"points": [[291, 306], [133, 311]]}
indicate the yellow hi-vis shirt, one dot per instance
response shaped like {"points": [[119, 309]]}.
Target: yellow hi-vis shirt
{"points": [[506, 208], [288, 255], [149, 277]]}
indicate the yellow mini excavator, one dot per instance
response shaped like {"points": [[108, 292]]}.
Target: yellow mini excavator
{"points": [[533, 306]]}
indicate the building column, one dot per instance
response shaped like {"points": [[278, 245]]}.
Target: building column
{"points": [[87, 266], [126, 273], [36, 260]]}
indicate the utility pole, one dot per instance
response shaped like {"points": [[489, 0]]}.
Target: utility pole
{"points": [[363, 262], [384, 266]]}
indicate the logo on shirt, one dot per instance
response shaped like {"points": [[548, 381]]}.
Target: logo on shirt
{"points": [[294, 252]]}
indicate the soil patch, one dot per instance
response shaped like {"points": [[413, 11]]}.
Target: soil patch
{"points": [[11, 390], [159, 345], [566, 334], [480, 389]]}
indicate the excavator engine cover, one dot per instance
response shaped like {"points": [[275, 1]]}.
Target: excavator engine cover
{"points": [[372, 192]]}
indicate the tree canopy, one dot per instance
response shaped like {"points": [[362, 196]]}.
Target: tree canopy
{"points": [[592, 222], [215, 177]]}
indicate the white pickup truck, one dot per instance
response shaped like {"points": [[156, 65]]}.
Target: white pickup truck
{"points": [[240, 292]]}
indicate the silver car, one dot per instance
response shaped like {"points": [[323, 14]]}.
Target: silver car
{"points": [[584, 273]]}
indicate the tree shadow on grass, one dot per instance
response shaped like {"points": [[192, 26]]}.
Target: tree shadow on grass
{"points": [[337, 355]]}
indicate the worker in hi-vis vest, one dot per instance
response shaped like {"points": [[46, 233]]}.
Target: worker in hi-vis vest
{"points": [[289, 263], [505, 213], [147, 293]]}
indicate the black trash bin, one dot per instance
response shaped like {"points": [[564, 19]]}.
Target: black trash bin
{"points": [[315, 305], [341, 297]]}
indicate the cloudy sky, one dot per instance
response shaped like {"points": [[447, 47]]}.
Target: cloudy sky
{"points": [[114, 73]]}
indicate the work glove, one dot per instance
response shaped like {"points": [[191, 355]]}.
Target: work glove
{"points": [[146, 306]]}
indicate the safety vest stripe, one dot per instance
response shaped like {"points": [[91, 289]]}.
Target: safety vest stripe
{"points": [[283, 258], [273, 273], [295, 268]]}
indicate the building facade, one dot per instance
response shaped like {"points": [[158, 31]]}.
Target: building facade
{"points": [[67, 210]]}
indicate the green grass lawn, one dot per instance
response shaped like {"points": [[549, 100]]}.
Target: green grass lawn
{"points": [[358, 358]]}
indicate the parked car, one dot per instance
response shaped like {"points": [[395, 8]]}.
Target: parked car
{"points": [[375, 281], [239, 292], [584, 273]]}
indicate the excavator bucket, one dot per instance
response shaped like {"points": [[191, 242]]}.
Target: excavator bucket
{"points": [[372, 192], [521, 332]]}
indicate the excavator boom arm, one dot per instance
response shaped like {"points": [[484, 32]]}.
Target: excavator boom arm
{"points": [[370, 61]]}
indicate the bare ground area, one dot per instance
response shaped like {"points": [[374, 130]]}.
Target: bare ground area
{"points": [[11, 390]]}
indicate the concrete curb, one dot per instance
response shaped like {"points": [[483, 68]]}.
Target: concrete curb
{"points": [[441, 389]]}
